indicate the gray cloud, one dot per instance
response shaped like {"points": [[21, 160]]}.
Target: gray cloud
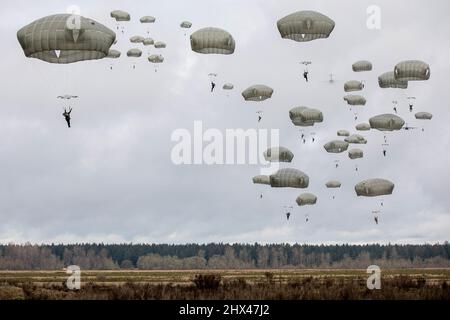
{"points": [[110, 177]]}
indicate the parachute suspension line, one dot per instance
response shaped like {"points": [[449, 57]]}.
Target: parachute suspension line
{"points": [[66, 80], [47, 79]]}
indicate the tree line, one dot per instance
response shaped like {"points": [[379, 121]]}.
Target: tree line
{"points": [[220, 256]]}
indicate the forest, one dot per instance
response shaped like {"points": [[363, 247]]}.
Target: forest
{"points": [[220, 256]]}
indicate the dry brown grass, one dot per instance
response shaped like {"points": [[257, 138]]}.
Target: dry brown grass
{"points": [[227, 284]]}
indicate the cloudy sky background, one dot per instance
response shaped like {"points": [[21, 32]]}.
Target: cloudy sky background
{"points": [[110, 178]]}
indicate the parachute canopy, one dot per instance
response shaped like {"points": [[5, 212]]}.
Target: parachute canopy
{"points": [[336, 146], [304, 116], [386, 122], [289, 178], [361, 66], [186, 24], [120, 15], [356, 139], [362, 127], [147, 19], [148, 42], [58, 39], [305, 26], [160, 45], [300, 123], [137, 39], [228, 86], [257, 92], [261, 180], [134, 53], [423, 115], [374, 188], [355, 154], [212, 41], [113, 54], [412, 70], [156, 58], [355, 100], [333, 184], [343, 133], [278, 154], [306, 199], [353, 85], [387, 80]]}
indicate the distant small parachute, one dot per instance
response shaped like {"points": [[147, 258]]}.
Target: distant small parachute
{"points": [[261, 180], [412, 70], [147, 19], [361, 66], [387, 80], [289, 178], [212, 41], [257, 92], [137, 39], [228, 86], [148, 42], [278, 154], [134, 53], [374, 188], [186, 24], [305, 26], [304, 116], [333, 184], [55, 39], [386, 122], [336, 146], [343, 133], [356, 139], [160, 45], [423, 115], [306, 199], [362, 127], [355, 100], [353, 86], [355, 154], [156, 58], [120, 15], [113, 54]]}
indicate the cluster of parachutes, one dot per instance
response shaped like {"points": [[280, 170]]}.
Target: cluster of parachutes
{"points": [[410, 70], [146, 41], [67, 38], [307, 26], [405, 71], [57, 39], [294, 178]]}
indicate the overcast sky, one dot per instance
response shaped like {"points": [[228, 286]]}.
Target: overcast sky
{"points": [[110, 177]]}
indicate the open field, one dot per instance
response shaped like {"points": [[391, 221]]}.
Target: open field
{"points": [[184, 277], [227, 284]]}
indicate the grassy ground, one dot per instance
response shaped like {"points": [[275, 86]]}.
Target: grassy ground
{"points": [[228, 284]]}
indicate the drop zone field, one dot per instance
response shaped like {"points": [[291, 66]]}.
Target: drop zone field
{"points": [[228, 284]]}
